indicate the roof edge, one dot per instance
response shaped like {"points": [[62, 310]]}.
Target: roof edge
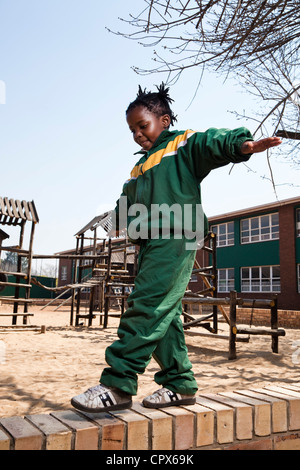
{"points": [[260, 208]]}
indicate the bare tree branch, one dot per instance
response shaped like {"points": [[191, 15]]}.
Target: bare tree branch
{"points": [[255, 41]]}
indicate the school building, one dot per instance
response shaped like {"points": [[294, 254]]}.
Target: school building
{"points": [[258, 252]]}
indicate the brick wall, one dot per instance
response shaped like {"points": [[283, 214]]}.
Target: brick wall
{"points": [[255, 317], [256, 419], [262, 317], [289, 296]]}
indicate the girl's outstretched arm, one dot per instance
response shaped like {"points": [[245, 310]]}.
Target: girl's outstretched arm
{"points": [[260, 146]]}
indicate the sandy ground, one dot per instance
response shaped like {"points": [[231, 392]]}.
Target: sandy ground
{"points": [[39, 373]]}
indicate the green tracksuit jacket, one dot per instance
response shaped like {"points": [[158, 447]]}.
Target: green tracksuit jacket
{"points": [[170, 173]]}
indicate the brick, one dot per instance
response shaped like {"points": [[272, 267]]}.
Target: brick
{"points": [[183, 427], [278, 409], [243, 415], [224, 417], [57, 436], [112, 430], [218, 421], [262, 412], [285, 390], [296, 384], [293, 407], [25, 435], [137, 429], [160, 427], [262, 444], [294, 387], [4, 441], [85, 433], [291, 442], [204, 424]]}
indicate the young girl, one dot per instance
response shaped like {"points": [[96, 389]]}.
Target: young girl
{"points": [[170, 171]]}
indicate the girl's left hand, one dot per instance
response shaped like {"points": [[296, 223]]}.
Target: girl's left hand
{"points": [[260, 146]]}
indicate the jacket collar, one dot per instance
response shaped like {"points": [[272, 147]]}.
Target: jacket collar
{"points": [[163, 136]]}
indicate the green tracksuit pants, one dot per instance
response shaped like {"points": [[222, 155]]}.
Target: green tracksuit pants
{"points": [[152, 326]]}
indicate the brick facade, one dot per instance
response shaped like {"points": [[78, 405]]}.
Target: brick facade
{"points": [[284, 252], [289, 297]]}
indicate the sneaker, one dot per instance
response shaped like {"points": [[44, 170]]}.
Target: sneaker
{"points": [[101, 398], [164, 397]]}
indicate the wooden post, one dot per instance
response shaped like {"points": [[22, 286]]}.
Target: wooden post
{"points": [[78, 297], [215, 280], [125, 268], [232, 326], [29, 261], [102, 284], [274, 324], [106, 287], [74, 274], [93, 288], [19, 269]]}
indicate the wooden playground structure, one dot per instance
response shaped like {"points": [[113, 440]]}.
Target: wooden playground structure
{"points": [[15, 213], [225, 309], [104, 277]]}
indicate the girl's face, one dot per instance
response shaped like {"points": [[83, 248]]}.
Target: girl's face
{"points": [[145, 126]]}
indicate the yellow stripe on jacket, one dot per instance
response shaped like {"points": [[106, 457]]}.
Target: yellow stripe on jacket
{"points": [[156, 157]]}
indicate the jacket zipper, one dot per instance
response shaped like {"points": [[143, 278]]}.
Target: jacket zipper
{"points": [[140, 182]]}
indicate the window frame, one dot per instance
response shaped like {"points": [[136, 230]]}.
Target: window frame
{"points": [[298, 222], [227, 280], [229, 241], [87, 261], [256, 283], [259, 232], [64, 273]]}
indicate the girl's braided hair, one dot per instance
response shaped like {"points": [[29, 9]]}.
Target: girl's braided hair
{"points": [[157, 103]]}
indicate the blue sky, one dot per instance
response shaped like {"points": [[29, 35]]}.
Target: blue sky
{"points": [[64, 141]]}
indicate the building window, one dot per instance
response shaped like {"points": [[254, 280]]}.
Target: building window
{"points": [[298, 278], [225, 234], [64, 273], [225, 280], [260, 229], [298, 222], [260, 279], [87, 261]]}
